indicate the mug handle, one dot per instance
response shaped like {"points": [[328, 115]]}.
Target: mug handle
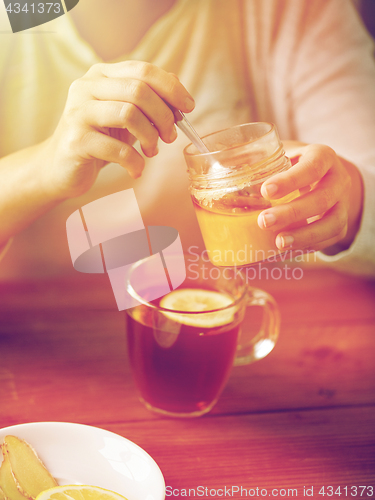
{"points": [[264, 341]]}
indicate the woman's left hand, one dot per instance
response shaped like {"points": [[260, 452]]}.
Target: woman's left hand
{"points": [[331, 193]]}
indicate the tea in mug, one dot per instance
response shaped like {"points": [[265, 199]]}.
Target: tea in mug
{"points": [[180, 362]]}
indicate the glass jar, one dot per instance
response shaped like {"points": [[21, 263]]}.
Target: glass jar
{"points": [[225, 189]]}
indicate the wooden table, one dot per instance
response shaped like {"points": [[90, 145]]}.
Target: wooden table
{"points": [[302, 418]]}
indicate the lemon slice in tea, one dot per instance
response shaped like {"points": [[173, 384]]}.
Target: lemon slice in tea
{"points": [[197, 300], [81, 492]]}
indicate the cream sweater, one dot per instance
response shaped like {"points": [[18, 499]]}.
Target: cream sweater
{"points": [[305, 65]]}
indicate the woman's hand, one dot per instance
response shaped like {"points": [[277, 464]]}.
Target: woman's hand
{"points": [[331, 195], [107, 110]]}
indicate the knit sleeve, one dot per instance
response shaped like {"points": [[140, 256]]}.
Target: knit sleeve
{"points": [[320, 68]]}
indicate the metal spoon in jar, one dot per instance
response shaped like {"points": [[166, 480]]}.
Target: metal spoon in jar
{"points": [[186, 127]]}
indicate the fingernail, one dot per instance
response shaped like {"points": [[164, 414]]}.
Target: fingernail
{"points": [[271, 189], [189, 104], [151, 152], [284, 241], [268, 220], [173, 135]]}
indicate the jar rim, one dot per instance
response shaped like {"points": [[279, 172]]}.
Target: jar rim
{"points": [[229, 148]]}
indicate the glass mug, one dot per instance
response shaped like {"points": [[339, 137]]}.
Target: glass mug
{"points": [[225, 189], [181, 358]]}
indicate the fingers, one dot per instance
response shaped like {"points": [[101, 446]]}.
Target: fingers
{"points": [[119, 115], [166, 85], [325, 184], [314, 163], [145, 89], [139, 96], [107, 110], [313, 203], [103, 147], [319, 234]]}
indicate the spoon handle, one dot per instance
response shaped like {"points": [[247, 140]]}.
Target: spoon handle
{"points": [[186, 127]]}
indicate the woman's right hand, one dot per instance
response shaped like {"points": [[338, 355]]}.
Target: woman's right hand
{"points": [[107, 110]]}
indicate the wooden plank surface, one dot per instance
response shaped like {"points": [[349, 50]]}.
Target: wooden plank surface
{"points": [[275, 450], [304, 416], [67, 364], [57, 335]]}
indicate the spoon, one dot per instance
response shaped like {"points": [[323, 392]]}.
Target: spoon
{"points": [[187, 128]]}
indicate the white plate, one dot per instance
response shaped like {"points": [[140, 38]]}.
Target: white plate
{"points": [[81, 454]]}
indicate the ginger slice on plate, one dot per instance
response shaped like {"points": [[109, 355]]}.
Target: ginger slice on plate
{"points": [[7, 482], [30, 474]]}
